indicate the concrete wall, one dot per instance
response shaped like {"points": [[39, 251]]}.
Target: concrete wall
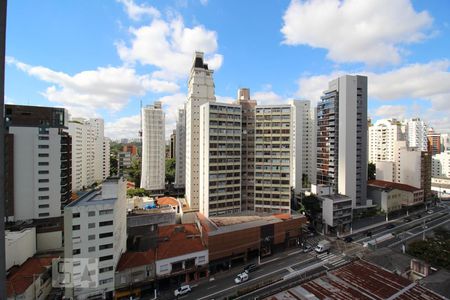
{"points": [[19, 246], [49, 240], [164, 267]]}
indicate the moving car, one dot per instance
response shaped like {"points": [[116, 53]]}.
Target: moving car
{"points": [[241, 278], [348, 239], [250, 268], [307, 249], [323, 246], [390, 226], [182, 290]]}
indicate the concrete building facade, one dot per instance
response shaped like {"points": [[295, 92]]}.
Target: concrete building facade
{"points": [[153, 148], [434, 142], [416, 134], [220, 158], [200, 91], [441, 165], [342, 137], [337, 213], [41, 161], [180, 151], [95, 227], [382, 138], [248, 107]]}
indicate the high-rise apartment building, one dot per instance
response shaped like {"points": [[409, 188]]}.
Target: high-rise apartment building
{"points": [[434, 142], [106, 157], [153, 148], [173, 145], [273, 157], [200, 91], [445, 142], [342, 137], [40, 161], [248, 107], [180, 150], [383, 136], [416, 134], [441, 165], [95, 234], [98, 128], [220, 159]]}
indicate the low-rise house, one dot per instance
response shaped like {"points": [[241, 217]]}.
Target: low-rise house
{"points": [[392, 196]]}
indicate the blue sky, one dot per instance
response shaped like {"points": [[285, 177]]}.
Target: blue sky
{"points": [[99, 58]]}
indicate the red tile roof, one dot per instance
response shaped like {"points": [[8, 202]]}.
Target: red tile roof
{"points": [[167, 201], [282, 216], [135, 259], [176, 240], [20, 278], [392, 185]]}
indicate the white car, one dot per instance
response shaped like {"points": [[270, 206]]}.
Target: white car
{"points": [[182, 290], [430, 212], [241, 278]]}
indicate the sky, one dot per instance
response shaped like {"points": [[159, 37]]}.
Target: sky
{"points": [[101, 58]]}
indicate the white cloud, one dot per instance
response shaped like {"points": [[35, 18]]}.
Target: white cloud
{"points": [[268, 98], [391, 111], [369, 31], [170, 46], [171, 104], [126, 127], [107, 88], [136, 11]]}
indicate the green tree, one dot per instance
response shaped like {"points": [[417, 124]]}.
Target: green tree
{"points": [[311, 205], [170, 170], [137, 192], [134, 172], [371, 171], [112, 165]]}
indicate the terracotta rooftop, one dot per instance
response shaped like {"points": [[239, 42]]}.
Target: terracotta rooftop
{"points": [[167, 201], [392, 185], [358, 280], [135, 259], [176, 240], [21, 277]]}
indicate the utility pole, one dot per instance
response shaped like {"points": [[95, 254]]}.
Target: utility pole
{"points": [[2, 150]]}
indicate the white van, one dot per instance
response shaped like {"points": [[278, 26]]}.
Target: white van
{"points": [[323, 246]]}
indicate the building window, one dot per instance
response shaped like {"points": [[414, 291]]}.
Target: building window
{"points": [[41, 215], [76, 227], [91, 249], [106, 223], [91, 225], [43, 163], [106, 246], [91, 214], [76, 251], [106, 257], [105, 281], [43, 138], [76, 215], [43, 154], [43, 189], [105, 235], [43, 172], [43, 180], [43, 146], [91, 237], [44, 206], [106, 269], [43, 197], [106, 212]]}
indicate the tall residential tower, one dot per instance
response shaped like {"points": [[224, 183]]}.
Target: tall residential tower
{"points": [[180, 150]]}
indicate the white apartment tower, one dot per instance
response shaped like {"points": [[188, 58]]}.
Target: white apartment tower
{"points": [[200, 91], [342, 137], [95, 228], [153, 148], [273, 158], [180, 136], [441, 165], [38, 162], [303, 144], [106, 157], [416, 133], [98, 135], [383, 136], [220, 159]]}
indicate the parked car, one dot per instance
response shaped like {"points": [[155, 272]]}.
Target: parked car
{"points": [[241, 278], [430, 212], [390, 226], [307, 249], [250, 268], [348, 239], [182, 290]]}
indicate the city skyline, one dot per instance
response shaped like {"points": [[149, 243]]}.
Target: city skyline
{"points": [[109, 68]]}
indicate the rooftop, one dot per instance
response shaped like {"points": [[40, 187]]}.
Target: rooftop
{"points": [[387, 185], [438, 282], [390, 260], [358, 280], [135, 259], [167, 201], [336, 197], [21, 277], [176, 240]]}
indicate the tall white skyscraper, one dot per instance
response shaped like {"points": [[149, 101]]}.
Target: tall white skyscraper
{"points": [[200, 91], [180, 141], [416, 133], [220, 159], [153, 148], [106, 157], [98, 135], [383, 136], [342, 137]]}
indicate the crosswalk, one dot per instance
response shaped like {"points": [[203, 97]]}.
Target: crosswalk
{"points": [[332, 260]]}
